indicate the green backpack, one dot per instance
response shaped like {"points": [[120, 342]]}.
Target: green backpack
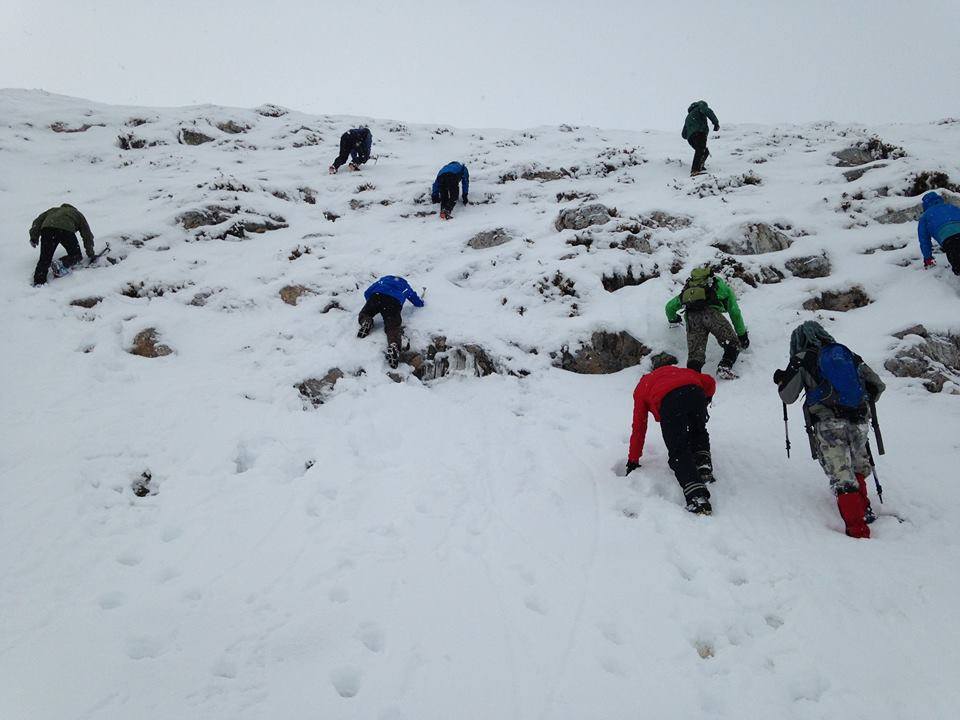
{"points": [[699, 292]]}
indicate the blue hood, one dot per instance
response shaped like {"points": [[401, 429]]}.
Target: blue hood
{"points": [[931, 199]]}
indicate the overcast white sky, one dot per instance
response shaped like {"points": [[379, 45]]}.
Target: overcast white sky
{"points": [[499, 63]]}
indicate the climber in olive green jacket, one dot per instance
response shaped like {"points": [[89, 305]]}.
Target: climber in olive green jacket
{"points": [[703, 300], [59, 226], [695, 132]]}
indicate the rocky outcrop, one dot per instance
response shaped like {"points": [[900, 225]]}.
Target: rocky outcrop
{"points": [[584, 216], [186, 136], [839, 300], [291, 294], [489, 239], [147, 344], [315, 391], [232, 127], [439, 359], [659, 219], [933, 357], [616, 280], [809, 266], [868, 151], [756, 239], [87, 302], [928, 180], [248, 222], [605, 353]]}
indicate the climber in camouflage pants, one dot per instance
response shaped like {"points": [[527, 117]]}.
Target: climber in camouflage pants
{"points": [[701, 324], [842, 451]]}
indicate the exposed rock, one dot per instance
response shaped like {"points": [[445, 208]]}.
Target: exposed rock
{"points": [[232, 127], [867, 151], [663, 358], [141, 486], [606, 353], [928, 180], [200, 298], [934, 357], [332, 305], [87, 302], [839, 300], [857, 173], [142, 290], [291, 294], [333, 217], [809, 266], [572, 195], [146, 344], [62, 127], [712, 185], [192, 137], [757, 238], [729, 268], [615, 281], [659, 219], [357, 204], [584, 216], [439, 360], [546, 175], [489, 239], [564, 285], [265, 224], [638, 243], [308, 195], [269, 110], [129, 141], [886, 247], [136, 122], [317, 390], [581, 239], [894, 217], [769, 275], [211, 215]]}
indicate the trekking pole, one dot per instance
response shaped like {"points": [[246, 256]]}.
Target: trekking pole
{"points": [[876, 478], [876, 427], [786, 429]]}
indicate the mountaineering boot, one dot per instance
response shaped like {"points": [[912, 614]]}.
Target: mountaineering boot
{"points": [[366, 325], [852, 509], [699, 505], [704, 466], [443, 214], [59, 268], [332, 170], [694, 173], [868, 515], [353, 166], [725, 372], [393, 355]]}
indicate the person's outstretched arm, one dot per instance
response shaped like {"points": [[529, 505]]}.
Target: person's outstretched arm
{"points": [[924, 236], [466, 182], [713, 118]]}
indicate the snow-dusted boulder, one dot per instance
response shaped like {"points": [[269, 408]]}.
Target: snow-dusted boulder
{"points": [[584, 216]]}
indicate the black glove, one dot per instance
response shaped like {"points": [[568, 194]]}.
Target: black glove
{"points": [[34, 243], [716, 128], [744, 340], [779, 376], [465, 201], [631, 466], [676, 323]]}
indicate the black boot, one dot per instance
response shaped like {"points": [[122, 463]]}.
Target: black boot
{"points": [[393, 355]]}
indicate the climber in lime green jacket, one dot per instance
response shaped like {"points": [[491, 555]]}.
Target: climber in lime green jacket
{"points": [[703, 300]]}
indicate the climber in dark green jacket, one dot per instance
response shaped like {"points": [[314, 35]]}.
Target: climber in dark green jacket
{"points": [[695, 132], [704, 299], [59, 226]]}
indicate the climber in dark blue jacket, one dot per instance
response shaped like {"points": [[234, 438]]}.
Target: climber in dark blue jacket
{"points": [[941, 221], [386, 297], [446, 187], [356, 143]]}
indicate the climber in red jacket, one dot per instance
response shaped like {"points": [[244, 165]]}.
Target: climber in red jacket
{"points": [[678, 399]]}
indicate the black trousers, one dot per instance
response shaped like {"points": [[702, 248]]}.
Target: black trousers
{"points": [[449, 191], [951, 248], [698, 141], [387, 307], [346, 146], [683, 422], [49, 239]]}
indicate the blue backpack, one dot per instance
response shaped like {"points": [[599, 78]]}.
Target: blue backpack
{"points": [[840, 386]]}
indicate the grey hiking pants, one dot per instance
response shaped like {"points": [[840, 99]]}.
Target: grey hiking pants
{"points": [[842, 447], [701, 324]]}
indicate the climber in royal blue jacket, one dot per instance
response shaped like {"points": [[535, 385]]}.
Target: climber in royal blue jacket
{"points": [[356, 144], [446, 187], [941, 221], [386, 297]]}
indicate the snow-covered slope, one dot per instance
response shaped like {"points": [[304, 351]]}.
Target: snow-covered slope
{"points": [[465, 547]]}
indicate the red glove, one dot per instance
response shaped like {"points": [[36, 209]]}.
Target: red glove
{"points": [[929, 262]]}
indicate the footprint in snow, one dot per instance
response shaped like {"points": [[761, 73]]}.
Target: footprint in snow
{"points": [[111, 600], [535, 603], [372, 636], [339, 594], [346, 680]]}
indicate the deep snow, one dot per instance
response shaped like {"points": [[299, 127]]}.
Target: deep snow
{"points": [[466, 547]]}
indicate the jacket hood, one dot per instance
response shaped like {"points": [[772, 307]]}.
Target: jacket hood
{"points": [[931, 199], [808, 336], [697, 105]]}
